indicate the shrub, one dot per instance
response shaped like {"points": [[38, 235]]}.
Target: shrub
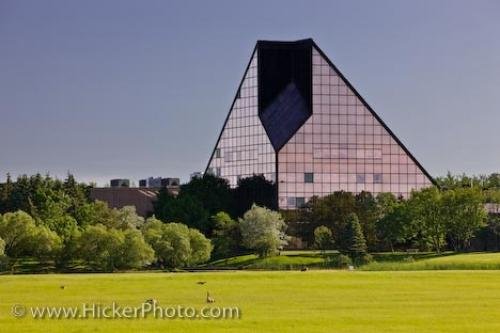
{"points": [[342, 261], [409, 259], [364, 259], [5, 263]]}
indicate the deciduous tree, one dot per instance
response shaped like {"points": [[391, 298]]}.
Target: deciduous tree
{"points": [[394, 224], [426, 211], [464, 215], [263, 230], [226, 235], [18, 230], [323, 238], [175, 245], [135, 251]]}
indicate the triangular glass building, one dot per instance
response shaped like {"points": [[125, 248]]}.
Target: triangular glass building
{"points": [[298, 121]]}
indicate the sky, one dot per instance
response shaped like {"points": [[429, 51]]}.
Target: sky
{"points": [[131, 89]]}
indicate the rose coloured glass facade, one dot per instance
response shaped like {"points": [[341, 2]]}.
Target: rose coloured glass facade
{"points": [[243, 148], [313, 128]]}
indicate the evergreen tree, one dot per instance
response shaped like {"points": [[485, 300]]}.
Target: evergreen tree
{"points": [[6, 190], [254, 190], [211, 192], [368, 212], [355, 240]]}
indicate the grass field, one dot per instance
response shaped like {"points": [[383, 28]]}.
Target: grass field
{"points": [[400, 261], [292, 301], [287, 260], [445, 261], [296, 260]]}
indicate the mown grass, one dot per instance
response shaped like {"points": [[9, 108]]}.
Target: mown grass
{"points": [[296, 260], [292, 301], [287, 260], [30, 265], [445, 261], [398, 261]]}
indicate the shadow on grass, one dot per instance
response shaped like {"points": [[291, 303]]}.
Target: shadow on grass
{"points": [[403, 256], [461, 261], [288, 260], [285, 261], [29, 265]]}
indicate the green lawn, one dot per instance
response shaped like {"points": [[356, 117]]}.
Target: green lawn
{"points": [[399, 261], [287, 260], [291, 301], [430, 261], [296, 260]]}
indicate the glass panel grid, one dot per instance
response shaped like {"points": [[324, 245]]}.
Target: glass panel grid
{"points": [[244, 148], [345, 147]]}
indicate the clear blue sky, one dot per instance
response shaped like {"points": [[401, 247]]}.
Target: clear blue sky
{"points": [[140, 88]]}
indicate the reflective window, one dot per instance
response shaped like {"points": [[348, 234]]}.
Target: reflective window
{"points": [[308, 177], [300, 201]]}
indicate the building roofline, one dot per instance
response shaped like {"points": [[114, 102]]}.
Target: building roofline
{"points": [[279, 43]]}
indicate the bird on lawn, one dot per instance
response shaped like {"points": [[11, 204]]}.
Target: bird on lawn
{"points": [[201, 282], [210, 299], [62, 286]]}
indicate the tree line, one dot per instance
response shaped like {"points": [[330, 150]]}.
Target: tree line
{"points": [[52, 219], [430, 219], [449, 216]]}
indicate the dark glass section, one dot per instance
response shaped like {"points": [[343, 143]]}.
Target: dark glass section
{"points": [[285, 87], [284, 116]]}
